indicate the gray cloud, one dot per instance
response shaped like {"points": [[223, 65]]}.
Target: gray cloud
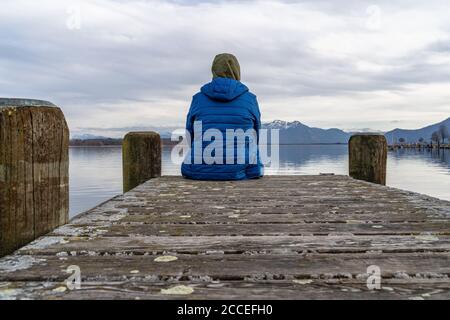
{"points": [[137, 63]]}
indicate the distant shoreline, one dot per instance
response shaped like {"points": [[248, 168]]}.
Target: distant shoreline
{"points": [[77, 143], [420, 147], [168, 142]]}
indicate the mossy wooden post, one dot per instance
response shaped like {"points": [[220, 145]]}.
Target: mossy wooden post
{"points": [[141, 158], [34, 171], [368, 158]]}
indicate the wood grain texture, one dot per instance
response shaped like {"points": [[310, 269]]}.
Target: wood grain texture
{"points": [[280, 237], [333, 289], [141, 152], [368, 158], [34, 193]]}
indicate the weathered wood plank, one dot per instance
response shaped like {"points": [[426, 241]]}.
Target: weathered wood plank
{"points": [[265, 229], [175, 217], [232, 243], [337, 289], [237, 267], [78, 244]]}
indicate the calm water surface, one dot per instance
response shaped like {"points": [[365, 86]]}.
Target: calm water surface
{"points": [[96, 172]]}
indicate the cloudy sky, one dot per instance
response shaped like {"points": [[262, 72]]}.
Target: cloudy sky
{"points": [[129, 63]]}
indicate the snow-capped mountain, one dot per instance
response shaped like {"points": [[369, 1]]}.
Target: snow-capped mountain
{"points": [[296, 132]]}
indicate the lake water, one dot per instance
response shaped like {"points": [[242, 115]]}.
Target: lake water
{"points": [[96, 172]]}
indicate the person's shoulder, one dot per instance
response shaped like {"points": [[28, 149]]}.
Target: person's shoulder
{"points": [[251, 102], [247, 94], [249, 97], [197, 95], [196, 101]]}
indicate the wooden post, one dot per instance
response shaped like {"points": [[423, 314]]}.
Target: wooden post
{"points": [[141, 152], [34, 171], [368, 158]]}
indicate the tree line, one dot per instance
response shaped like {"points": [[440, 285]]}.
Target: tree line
{"points": [[438, 137]]}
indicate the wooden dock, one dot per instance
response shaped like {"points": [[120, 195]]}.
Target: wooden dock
{"points": [[280, 237]]}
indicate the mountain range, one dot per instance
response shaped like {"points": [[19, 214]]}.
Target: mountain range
{"points": [[296, 132], [413, 136]]}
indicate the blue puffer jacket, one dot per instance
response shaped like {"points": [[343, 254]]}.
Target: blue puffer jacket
{"points": [[223, 104]]}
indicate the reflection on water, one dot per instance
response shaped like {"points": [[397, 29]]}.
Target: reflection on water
{"points": [[307, 159], [423, 171], [95, 176], [96, 172]]}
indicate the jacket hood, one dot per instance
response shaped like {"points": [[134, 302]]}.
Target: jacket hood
{"points": [[224, 89]]}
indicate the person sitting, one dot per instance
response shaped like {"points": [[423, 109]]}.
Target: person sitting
{"points": [[222, 113]]}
